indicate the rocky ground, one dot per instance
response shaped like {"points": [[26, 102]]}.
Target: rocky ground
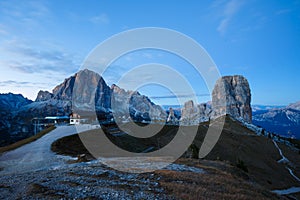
{"points": [[93, 180], [80, 181]]}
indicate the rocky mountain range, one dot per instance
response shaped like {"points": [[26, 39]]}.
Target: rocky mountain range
{"points": [[9, 107], [295, 106], [140, 107], [88, 92], [13, 102], [284, 121], [84, 92], [258, 107]]}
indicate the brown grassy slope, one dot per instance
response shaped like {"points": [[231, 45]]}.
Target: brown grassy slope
{"points": [[71, 146], [126, 142], [214, 184], [258, 153], [294, 156]]}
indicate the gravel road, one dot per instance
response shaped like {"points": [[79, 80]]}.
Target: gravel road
{"points": [[38, 155]]}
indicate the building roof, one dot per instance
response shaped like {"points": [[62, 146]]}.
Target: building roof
{"points": [[57, 117]]}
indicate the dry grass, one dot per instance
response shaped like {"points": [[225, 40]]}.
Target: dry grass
{"points": [[215, 184], [71, 146], [293, 156], [26, 141], [258, 154], [127, 142]]}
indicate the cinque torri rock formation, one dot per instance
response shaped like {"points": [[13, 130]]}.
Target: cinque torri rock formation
{"points": [[231, 95], [192, 114], [139, 106], [87, 91]]}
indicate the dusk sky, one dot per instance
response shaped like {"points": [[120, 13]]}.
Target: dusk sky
{"points": [[44, 42]]}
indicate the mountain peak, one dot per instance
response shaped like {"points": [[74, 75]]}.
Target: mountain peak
{"points": [[295, 106], [86, 71], [43, 96]]}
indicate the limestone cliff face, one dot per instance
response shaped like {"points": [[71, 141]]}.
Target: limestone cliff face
{"points": [[232, 95], [132, 104], [194, 114], [87, 91], [171, 117], [86, 88], [43, 96]]}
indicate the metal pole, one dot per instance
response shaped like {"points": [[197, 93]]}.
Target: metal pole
{"points": [[34, 126]]}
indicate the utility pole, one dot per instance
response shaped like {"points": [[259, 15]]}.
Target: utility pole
{"points": [[38, 125], [34, 125]]}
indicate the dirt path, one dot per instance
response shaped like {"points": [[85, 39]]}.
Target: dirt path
{"points": [[285, 160], [38, 155]]}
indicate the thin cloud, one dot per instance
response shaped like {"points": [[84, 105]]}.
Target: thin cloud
{"points": [[3, 30], [229, 10], [32, 59], [100, 19], [9, 83], [38, 9], [13, 82], [25, 13], [283, 11]]}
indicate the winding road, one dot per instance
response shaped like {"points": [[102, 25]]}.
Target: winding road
{"points": [[38, 155]]}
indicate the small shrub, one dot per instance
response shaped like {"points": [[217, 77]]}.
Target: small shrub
{"points": [[241, 164], [195, 151]]}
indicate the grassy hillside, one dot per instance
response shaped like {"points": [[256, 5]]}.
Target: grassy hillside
{"points": [[252, 158], [258, 154]]}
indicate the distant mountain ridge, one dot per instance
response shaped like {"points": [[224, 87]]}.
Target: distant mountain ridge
{"points": [[9, 105], [295, 106], [284, 120], [258, 107], [12, 101]]}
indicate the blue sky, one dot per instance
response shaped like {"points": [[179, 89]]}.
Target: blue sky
{"points": [[43, 42]]}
